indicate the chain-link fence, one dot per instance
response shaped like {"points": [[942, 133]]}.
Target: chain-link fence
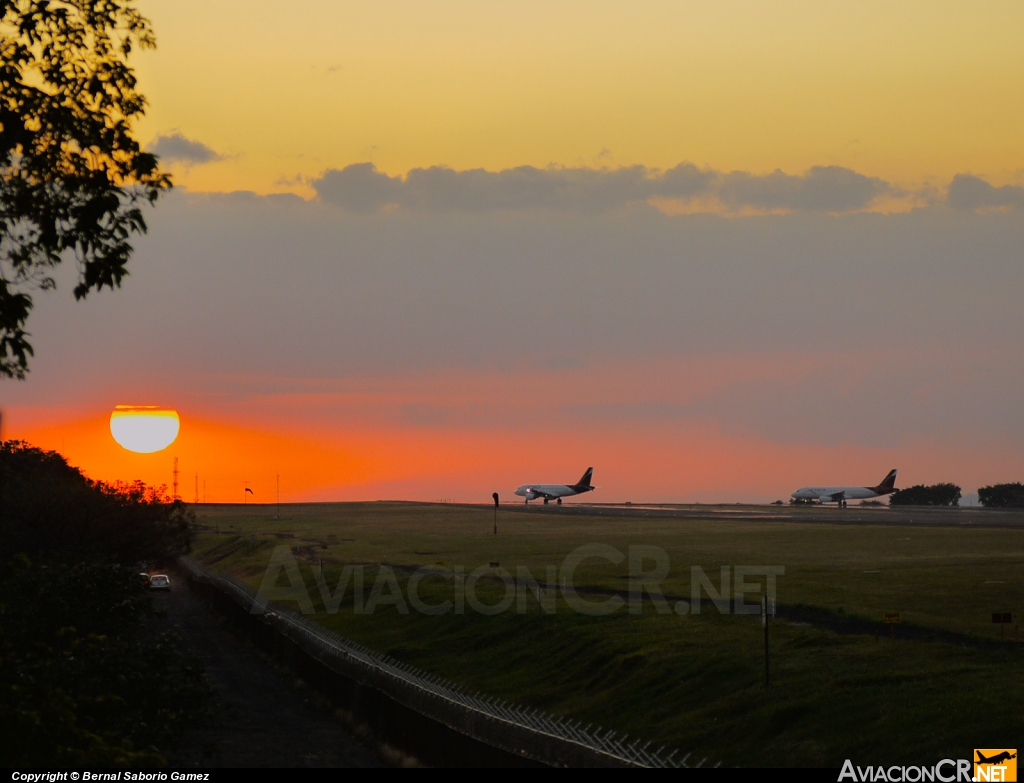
{"points": [[616, 748]]}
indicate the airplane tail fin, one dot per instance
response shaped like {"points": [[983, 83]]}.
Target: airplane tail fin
{"points": [[585, 481], [888, 483]]}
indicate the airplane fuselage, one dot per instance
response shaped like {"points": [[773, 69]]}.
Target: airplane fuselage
{"points": [[834, 494], [557, 491], [551, 491], [841, 494]]}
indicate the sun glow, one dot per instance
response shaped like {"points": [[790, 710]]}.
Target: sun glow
{"points": [[144, 429]]}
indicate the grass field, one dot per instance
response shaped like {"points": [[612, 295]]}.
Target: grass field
{"points": [[943, 687]]}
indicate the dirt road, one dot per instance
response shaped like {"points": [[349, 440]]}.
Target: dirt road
{"points": [[261, 718]]}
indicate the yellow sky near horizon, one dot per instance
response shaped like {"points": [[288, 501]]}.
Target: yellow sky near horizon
{"points": [[911, 92]]}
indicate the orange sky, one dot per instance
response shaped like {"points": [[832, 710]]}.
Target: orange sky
{"points": [[673, 464], [466, 434]]}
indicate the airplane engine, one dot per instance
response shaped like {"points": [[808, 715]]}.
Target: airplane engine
{"points": [[532, 496], [827, 499]]}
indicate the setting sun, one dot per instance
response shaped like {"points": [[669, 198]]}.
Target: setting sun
{"points": [[144, 429]]}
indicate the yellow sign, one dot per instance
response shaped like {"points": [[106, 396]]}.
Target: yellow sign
{"points": [[892, 617], [995, 764]]}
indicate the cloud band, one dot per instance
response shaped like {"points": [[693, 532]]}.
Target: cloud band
{"points": [[362, 188]]}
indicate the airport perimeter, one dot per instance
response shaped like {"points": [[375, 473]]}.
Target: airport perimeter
{"points": [[844, 684]]}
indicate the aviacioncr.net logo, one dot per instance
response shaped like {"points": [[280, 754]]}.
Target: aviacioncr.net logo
{"points": [[946, 771]]}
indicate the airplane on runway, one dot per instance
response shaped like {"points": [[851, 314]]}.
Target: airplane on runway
{"points": [[556, 491], [841, 494]]}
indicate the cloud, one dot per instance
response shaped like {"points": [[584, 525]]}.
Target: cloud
{"points": [[361, 188], [972, 193], [325, 292], [358, 188], [821, 189], [178, 148]]}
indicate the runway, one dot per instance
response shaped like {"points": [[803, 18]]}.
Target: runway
{"points": [[905, 516]]}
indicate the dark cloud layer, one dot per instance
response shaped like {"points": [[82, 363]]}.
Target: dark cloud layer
{"points": [[362, 188], [972, 193], [821, 189], [885, 328], [323, 291], [178, 148]]}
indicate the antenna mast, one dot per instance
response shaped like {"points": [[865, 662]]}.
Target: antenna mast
{"points": [[174, 492]]}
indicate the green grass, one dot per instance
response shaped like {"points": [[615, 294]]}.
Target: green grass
{"points": [[693, 682]]}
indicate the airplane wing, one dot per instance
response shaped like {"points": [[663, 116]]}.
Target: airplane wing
{"points": [[541, 494]]}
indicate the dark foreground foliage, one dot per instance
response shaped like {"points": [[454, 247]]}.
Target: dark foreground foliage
{"points": [[82, 680], [86, 678], [1002, 496], [921, 495], [49, 508]]}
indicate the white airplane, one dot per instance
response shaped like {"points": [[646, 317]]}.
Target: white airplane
{"points": [[556, 491], [841, 494]]}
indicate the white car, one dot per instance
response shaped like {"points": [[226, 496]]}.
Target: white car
{"points": [[159, 582]]}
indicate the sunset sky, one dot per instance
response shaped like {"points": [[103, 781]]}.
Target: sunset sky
{"points": [[436, 249]]}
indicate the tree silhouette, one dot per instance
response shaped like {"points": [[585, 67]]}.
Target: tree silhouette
{"points": [[921, 495], [1002, 496], [49, 509], [72, 177]]}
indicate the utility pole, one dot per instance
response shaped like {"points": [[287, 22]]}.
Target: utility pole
{"points": [[278, 514], [174, 491], [197, 488], [495, 496]]}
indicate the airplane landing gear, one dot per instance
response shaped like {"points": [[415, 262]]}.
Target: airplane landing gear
{"points": [[545, 501], [559, 501], [842, 504]]}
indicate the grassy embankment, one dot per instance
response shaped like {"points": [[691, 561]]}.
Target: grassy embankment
{"points": [[695, 682]]}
